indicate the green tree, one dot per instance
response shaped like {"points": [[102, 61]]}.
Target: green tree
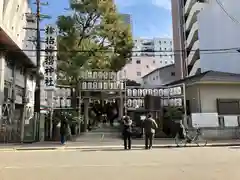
{"points": [[93, 36]]}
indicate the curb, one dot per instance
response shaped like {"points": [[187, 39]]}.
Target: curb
{"points": [[108, 147]]}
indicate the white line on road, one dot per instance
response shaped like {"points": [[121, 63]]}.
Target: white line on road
{"points": [[87, 165]]}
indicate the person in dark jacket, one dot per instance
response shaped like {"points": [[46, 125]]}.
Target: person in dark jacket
{"points": [[127, 132], [63, 130], [149, 126]]}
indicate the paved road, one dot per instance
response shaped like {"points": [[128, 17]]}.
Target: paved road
{"points": [[169, 164]]}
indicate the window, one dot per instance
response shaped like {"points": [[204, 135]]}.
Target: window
{"points": [[165, 49], [138, 61], [18, 8], [138, 73], [161, 62], [147, 66], [172, 73], [153, 62], [165, 42], [153, 78], [165, 62], [160, 42], [160, 56], [171, 42]]}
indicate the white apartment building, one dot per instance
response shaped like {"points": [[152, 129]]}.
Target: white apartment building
{"points": [[148, 55], [160, 76], [206, 24], [17, 59]]}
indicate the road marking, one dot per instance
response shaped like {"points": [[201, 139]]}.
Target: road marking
{"points": [[87, 165]]}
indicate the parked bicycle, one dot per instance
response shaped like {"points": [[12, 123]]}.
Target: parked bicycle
{"points": [[196, 138]]}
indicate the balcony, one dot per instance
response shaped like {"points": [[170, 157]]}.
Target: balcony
{"points": [[192, 16], [194, 54], [189, 5], [192, 36], [195, 69]]}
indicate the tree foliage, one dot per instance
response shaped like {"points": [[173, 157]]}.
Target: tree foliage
{"points": [[92, 36]]}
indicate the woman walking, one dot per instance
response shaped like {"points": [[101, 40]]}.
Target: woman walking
{"points": [[127, 132]]}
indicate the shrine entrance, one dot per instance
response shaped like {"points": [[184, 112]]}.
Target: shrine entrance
{"points": [[162, 102]]}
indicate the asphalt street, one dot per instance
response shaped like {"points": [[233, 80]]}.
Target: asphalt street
{"points": [[207, 163]]}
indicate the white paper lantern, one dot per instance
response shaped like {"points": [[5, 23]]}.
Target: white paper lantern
{"points": [[122, 86], [178, 102], [129, 92], [100, 85], [134, 92], [145, 91], [135, 103], [89, 74], [95, 85], [84, 85], [150, 92], [129, 103], [140, 102], [95, 75], [106, 75], [166, 92], [178, 90], [68, 103], [155, 92], [160, 92], [115, 85], [105, 85], [100, 75], [89, 85], [140, 93]]}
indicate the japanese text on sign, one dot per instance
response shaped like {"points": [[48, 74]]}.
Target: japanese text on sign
{"points": [[50, 57]]}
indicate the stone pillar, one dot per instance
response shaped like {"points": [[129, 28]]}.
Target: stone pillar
{"points": [[2, 68], [121, 105], [86, 109]]}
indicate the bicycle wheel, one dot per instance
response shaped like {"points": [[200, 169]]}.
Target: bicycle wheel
{"points": [[180, 142], [200, 141]]}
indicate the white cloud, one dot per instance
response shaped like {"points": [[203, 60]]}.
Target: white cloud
{"points": [[166, 4]]}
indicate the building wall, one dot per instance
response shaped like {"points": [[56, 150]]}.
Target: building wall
{"points": [[13, 21], [160, 76], [218, 31], [209, 94], [149, 61]]}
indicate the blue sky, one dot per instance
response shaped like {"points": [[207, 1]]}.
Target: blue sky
{"points": [[150, 18]]}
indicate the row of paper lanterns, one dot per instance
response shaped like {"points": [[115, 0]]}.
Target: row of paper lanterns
{"points": [[176, 91]]}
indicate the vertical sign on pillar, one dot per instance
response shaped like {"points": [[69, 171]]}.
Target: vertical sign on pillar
{"points": [[50, 58]]}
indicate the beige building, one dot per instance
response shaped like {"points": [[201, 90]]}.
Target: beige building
{"points": [[214, 92]]}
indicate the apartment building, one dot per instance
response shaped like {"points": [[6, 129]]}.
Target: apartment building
{"points": [[200, 25], [17, 62], [148, 55], [160, 76]]}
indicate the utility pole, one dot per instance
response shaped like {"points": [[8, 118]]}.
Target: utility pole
{"points": [[38, 56]]}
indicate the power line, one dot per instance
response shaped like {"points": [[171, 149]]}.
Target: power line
{"points": [[225, 11], [167, 55], [135, 51]]}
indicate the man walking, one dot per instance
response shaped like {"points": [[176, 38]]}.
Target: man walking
{"points": [[149, 126], [63, 129], [127, 132]]}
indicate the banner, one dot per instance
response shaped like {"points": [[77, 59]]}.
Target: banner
{"points": [[50, 64]]}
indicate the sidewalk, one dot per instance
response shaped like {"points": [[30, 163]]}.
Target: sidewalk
{"points": [[169, 143]]}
